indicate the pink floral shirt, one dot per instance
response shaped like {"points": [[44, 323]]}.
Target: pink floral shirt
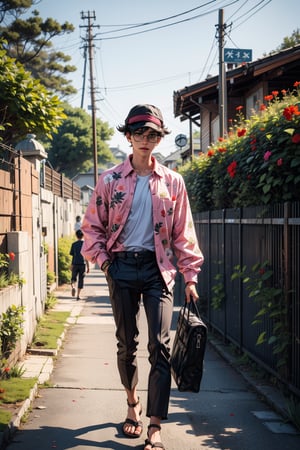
{"points": [[173, 225]]}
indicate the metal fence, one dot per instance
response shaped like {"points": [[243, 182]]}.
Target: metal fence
{"points": [[246, 237]]}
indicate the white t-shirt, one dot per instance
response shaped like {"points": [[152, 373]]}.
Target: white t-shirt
{"points": [[137, 234]]}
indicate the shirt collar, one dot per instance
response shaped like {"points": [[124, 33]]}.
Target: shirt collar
{"points": [[128, 169]]}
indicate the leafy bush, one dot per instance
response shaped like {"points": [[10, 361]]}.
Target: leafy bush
{"points": [[51, 301], [64, 259], [11, 328], [258, 163], [7, 277]]}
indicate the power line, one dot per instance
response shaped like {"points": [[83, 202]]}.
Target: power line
{"points": [[162, 26], [130, 26], [250, 10]]}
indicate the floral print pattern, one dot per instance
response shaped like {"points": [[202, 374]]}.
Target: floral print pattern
{"points": [[173, 228]]}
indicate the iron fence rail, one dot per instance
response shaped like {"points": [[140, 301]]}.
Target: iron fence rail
{"points": [[245, 237]]}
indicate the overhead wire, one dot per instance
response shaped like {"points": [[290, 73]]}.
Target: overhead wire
{"points": [[264, 3], [163, 26], [131, 26], [253, 9], [107, 90]]}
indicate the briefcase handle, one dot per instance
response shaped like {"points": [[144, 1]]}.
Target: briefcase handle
{"points": [[191, 306]]}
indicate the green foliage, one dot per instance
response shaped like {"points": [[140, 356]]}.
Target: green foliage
{"points": [[5, 418], [71, 148], [198, 179], [290, 41], [50, 277], [11, 328], [218, 292], [12, 372], [258, 283], [8, 278], [25, 104], [64, 259], [258, 163], [51, 301], [29, 41], [293, 408]]}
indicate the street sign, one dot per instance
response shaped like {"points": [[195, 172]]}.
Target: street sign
{"points": [[237, 55]]}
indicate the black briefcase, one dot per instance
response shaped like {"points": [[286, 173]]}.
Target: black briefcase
{"points": [[188, 349]]}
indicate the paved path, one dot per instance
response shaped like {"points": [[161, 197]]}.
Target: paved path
{"points": [[85, 404]]}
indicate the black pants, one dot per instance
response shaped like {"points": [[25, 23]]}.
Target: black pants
{"points": [[78, 270], [133, 276]]}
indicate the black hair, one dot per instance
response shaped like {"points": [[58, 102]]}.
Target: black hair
{"points": [[79, 234]]}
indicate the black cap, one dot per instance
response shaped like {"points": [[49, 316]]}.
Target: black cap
{"points": [[144, 116]]}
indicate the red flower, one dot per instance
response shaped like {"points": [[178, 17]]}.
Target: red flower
{"points": [[283, 91], [210, 153], [253, 143], [297, 83], [296, 138], [241, 132], [289, 111], [275, 93], [239, 108], [222, 149], [262, 107], [268, 98], [11, 256], [279, 162], [231, 169], [267, 155]]}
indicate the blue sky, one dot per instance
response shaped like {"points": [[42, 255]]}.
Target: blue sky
{"points": [[148, 67]]}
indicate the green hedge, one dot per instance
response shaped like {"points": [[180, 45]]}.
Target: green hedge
{"points": [[64, 259], [257, 163]]}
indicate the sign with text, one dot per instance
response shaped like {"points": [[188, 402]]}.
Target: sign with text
{"points": [[237, 55]]}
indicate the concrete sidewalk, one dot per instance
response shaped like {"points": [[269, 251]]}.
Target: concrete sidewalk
{"points": [[85, 405]]}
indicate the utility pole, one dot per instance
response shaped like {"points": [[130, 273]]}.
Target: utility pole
{"points": [[91, 16], [222, 76], [84, 76]]}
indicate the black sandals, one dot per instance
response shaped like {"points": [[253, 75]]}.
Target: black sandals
{"points": [[135, 423], [153, 444]]}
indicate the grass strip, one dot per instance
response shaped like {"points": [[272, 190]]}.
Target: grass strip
{"points": [[12, 391], [50, 329], [16, 390]]}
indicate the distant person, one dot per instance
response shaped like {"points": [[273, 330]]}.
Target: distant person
{"points": [[79, 265], [77, 225], [137, 220]]}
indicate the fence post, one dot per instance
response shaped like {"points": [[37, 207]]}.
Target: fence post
{"points": [[224, 268], [287, 277]]}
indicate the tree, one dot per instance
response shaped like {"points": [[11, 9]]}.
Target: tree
{"points": [[71, 149], [25, 105], [291, 41], [288, 41], [29, 41]]}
